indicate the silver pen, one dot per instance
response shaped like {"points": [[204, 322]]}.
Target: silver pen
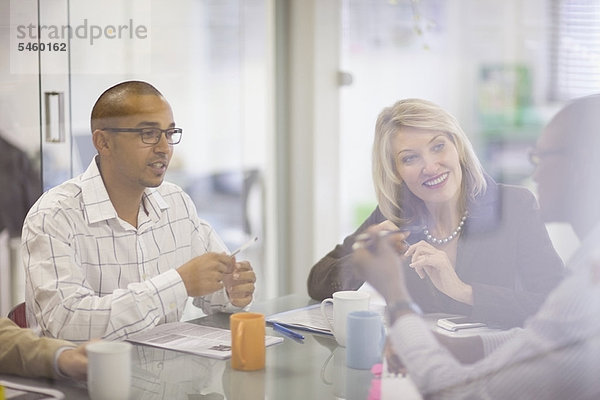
{"points": [[245, 245]]}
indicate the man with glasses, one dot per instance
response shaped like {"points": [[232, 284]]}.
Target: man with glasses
{"points": [[557, 353], [116, 250]]}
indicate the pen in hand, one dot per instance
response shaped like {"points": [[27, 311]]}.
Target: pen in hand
{"points": [[245, 245], [287, 332], [367, 240]]}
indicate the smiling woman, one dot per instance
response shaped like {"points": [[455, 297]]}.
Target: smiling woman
{"points": [[428, 163], [482, 249]]}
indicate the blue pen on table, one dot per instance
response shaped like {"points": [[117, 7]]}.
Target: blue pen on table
{"points": [[287, 332]]}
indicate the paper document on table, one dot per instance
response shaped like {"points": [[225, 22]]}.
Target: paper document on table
{"points": [[17, 391], [310, 318], [192, 338], [307, 318], [376, 299]]}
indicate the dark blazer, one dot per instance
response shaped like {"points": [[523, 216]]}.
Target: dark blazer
{"points": [[504, 253]]}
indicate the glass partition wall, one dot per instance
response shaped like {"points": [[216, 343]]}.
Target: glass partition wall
{"points": [[208, 57], [490, 63], [278, 98]]}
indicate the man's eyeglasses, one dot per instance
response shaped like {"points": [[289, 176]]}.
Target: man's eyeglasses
{"points": [[535, 156], [152, 135]]}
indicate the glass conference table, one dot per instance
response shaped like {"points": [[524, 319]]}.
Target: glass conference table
{"points": [[313, 369]]}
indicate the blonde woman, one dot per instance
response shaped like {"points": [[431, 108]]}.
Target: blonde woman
{"points": [[477, 247]]}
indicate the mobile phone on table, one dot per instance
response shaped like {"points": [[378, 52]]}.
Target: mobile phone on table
{"points": [[458, 323]]}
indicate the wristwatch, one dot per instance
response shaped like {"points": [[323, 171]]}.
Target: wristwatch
{"points": [[401, 307]]}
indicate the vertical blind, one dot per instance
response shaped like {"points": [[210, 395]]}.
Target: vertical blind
{"points": [[574, 48]]}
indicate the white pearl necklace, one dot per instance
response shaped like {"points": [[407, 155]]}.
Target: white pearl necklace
{"points": [[455, 233]]}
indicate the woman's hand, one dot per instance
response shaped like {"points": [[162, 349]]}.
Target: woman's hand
{"points": [[429, 261]]}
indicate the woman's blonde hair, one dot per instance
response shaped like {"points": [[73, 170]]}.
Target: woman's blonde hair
{"points": [[396, 202]]}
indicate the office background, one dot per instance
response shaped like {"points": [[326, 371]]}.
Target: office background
{"points": [[278, 100]]}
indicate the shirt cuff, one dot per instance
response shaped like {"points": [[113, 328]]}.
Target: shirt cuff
{"points": [[491, 341], [57, 354], [171, 292], [411, 329]]}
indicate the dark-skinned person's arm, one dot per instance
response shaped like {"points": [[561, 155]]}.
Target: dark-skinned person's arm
{"points": [[336, 271], [431, 364], [518, 363]]}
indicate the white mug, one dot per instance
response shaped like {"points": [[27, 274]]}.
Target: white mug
{"points": [[109, 370], [344, 302]]}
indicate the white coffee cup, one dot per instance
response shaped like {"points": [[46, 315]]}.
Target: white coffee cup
{"points": [[344, 302], [109, 370]]}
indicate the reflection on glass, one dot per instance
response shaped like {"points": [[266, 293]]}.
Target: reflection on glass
{"points": [[162, 374]]}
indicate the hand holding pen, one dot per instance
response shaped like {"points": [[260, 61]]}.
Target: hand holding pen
{"points": [[245, 245], [205, 274], [212, 271], [397, 235], [239, 284]]}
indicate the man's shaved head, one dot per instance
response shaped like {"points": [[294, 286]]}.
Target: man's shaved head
{"points": [[111, 104]]}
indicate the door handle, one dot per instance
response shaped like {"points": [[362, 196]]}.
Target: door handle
{"points": [[54, 104]]}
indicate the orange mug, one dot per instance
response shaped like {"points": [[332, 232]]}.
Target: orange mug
{"points": [[247, 341]]}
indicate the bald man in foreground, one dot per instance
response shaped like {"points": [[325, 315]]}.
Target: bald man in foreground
{"points": [[116, 250], [557, 353]]}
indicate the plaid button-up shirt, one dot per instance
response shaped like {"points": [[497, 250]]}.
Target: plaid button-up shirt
{"points": [[90, 274]]}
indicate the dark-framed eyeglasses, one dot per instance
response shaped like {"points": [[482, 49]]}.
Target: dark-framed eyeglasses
{"points": [[151, 135], [535, 156]]}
